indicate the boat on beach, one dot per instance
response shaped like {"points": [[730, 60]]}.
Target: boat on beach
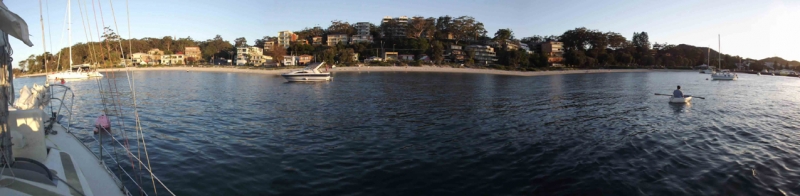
{"points": [[310, 73]]}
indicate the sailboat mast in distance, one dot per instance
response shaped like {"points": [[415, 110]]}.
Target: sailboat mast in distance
{"points": [[69, 29]]}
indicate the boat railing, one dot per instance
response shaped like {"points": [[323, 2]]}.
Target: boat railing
{"points": [[61, 110], [113, 144], [65, 103]]}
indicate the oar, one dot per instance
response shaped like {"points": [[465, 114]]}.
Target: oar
{"points": [[684, 95], [695, 96]]}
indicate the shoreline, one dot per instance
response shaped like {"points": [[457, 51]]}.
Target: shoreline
{"points": [[424, 69]]}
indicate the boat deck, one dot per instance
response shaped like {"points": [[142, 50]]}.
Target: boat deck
{"points": [[102, 181], [66, 158]]}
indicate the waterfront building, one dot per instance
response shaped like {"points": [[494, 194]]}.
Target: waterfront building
{"points": [[555, 51], [388, 56], [333, 39], [285, 38], [394, 27], [289, 60], [193, 52], [172, 59], [250, 55], [454, 53], [156, 54], [482, 54], [140, 58], [304, 59], [363, 34]]}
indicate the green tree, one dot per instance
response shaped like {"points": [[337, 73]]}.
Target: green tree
{"points": [[502, 35], [438, 52], [240, 42]]}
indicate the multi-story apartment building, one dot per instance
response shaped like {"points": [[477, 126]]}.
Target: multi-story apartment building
{"points": [[454, 53], [193, 52], [172, 59], [482, 54], [555, 51], [285, 38], [333, 39], [250, 55], [394, 27], [140, 58], [363, 34]]}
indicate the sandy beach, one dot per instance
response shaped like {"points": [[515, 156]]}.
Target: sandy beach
{"points": [[384, 69]]}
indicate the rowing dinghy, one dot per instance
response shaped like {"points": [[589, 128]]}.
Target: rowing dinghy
{"points": [[685, 99]]}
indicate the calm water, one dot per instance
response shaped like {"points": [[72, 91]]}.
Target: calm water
{"points": [[463, 134]]}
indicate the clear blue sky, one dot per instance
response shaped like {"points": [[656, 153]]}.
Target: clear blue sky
{"points": [[753, 29]]}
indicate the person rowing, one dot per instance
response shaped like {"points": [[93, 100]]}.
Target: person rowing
{"points": [[678, 93]]}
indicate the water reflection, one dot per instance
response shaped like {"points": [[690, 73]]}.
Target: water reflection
{"points": [[679, 108], [386, 133]]}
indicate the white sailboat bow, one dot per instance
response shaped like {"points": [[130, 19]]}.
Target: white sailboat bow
{"points": [[39, 152]]}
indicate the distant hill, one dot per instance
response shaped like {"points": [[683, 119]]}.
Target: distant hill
{"points": [[780, 60]]}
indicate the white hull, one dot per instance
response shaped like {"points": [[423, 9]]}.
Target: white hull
{"points": [[95, 74], [309, 74], [724, 77], [307, 78], [68, 75], [680, 100]]}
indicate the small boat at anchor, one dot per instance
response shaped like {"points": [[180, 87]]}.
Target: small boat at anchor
{"points": [[309, 74]]}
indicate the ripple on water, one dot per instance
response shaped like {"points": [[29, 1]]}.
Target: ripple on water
{"points": [[461, 134]]}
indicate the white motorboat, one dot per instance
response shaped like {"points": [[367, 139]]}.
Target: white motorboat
{"points": [[724, 75], [685, 99], [759, 73], [309, 74]]}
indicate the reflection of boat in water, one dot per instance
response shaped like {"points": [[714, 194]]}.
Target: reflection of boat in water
{"points": [[309, 74]]}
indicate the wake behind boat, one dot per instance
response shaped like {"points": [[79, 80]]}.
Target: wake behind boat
{"points": [[309, 74]]}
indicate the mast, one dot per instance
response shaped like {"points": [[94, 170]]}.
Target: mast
{"points": [[44, 47], [719, 52], [69, 30]]}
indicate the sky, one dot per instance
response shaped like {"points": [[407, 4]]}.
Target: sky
{"points": [[751, 29]]}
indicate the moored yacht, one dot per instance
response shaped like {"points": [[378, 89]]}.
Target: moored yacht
{"points": [[68, 75], [309, 74], [724, 75]]}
